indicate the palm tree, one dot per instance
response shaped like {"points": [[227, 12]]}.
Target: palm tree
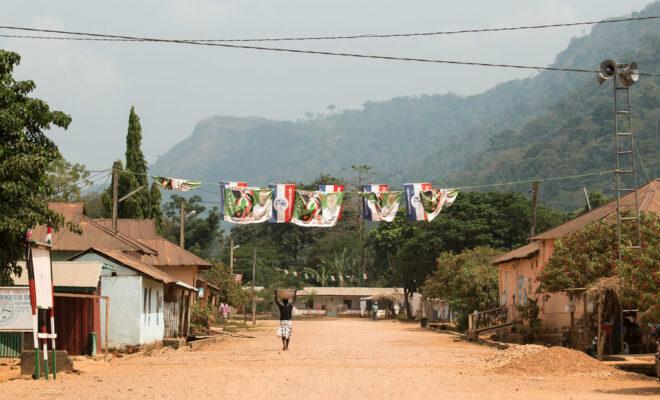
{"points": [[321, 275], [341, 264]]}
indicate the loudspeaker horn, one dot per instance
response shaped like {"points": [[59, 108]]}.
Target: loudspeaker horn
{"points": [[629, 74], [606, 70]]}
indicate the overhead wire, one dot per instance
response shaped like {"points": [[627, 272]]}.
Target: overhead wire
{"points": [[360, 36], [530, 180], [318, 52]]}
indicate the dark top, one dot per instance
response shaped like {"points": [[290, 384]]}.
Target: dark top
{"points": [[285, 309]]}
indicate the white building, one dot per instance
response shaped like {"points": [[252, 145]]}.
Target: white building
{"points": [[136, 292]]}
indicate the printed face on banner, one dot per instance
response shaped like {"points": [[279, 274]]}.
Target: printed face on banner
{"points": [[382, 206], [43, 282], [248, 205], [315, 208]]}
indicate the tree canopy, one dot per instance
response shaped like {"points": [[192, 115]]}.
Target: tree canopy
{"points": [[26, 155], [468, 281], [581, 258]]}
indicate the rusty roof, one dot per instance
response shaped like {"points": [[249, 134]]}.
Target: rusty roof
{"points": [[133, 263], [165, 252], [649, 201], [170, 254], [78, 274], [525, 251], [71, 211], [92, 234], [133, 228]]}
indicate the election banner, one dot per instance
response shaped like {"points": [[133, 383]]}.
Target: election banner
{"points": [[248, 205], [379, 204], [223, 185], [413, 203], [317, 208], [284, 196]]}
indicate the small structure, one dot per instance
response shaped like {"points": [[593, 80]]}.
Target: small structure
{"points": [[349, 301], [137, 294], [519, 268], [76, 316]]}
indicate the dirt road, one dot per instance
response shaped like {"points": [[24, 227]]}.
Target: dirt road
{"points": [[329, 359]]}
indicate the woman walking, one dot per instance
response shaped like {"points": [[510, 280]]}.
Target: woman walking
{"points": [[286, 312]]}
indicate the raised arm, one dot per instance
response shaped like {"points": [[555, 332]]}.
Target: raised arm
{"points": [[277, 301]]}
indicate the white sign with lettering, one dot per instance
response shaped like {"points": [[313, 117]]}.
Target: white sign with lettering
{"points": [[15, 309]]}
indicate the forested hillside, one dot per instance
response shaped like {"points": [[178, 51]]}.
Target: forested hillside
{"points": [[555, 123]]}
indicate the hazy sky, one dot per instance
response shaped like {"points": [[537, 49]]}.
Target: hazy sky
{"points": [[174, 86]]}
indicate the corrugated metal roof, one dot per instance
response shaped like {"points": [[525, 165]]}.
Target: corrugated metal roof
{"points": [[92, 234], [165, 252], [649, 201], [133, 228], [348, 291], [138, 265], [521, 252], [78, 274]]}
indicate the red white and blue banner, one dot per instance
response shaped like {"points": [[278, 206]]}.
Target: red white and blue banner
{"points": [[284, 197], [413, 203], [425, 203], [379, 204]]}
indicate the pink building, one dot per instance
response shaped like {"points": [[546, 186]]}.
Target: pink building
{"points": [[519, 268]]}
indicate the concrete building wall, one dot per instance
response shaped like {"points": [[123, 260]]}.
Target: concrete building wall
{"points": [[186, 274], [518, 281], [125, 312], [152, 326]]}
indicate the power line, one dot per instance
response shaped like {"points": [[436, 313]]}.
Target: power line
{"points": [[317, 52], [556, 178], [374, 35], [538, 179]]}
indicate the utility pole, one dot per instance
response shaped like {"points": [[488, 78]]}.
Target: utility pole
{"points": [[182, 224], [254, 297], [587, 196], [535, 193], [115, 193], [231, 257]]}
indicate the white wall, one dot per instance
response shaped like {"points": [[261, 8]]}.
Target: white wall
{"points": [[152, 325], [125, 311]]}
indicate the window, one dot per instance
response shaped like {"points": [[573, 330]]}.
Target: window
{"points": [[157, 306], [348, 304], [144, 304]]}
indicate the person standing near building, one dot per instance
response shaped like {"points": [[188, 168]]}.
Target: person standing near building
{"points": [[286, 313], [374, 310]]}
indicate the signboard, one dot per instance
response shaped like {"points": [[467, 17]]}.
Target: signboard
{"points": [[15, 309], [43, 284]]}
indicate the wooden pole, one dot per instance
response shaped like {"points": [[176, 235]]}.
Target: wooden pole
{"points": [[600, 346], [587, 196], [115, 194], [535, 192], [571, 304], [107, 323], [254, 297], [182, 223], [231, 257]]}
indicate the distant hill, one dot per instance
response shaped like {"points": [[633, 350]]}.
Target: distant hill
{"points": [[553, 124]]}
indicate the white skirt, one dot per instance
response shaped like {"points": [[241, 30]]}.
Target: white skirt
{"points": [[285, 329]]}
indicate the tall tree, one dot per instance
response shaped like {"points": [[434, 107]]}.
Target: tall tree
{"points": [[26, 154], [137, 165], [67, 180], [146, 202]]}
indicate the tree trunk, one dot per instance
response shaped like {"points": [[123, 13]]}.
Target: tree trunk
{"points": [[406, 303]]}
